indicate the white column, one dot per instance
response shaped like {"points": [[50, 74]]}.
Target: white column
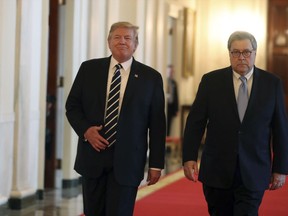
{"points": [[98, 29], [150, 32], [156, 34], [7, 115], [140, 21], [162, 37], [44, 22], [60, 96], [75, 51], [30, 74], [120, 10]]}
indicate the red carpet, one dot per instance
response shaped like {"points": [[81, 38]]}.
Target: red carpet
{"points": [[184, 198]]}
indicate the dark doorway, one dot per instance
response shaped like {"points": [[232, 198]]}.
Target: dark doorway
{"points": [[278, 41], [50, 144]]}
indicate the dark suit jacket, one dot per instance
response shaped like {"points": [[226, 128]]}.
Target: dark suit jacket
{"points": [[141, 120], [172, 108], [227, 140]]}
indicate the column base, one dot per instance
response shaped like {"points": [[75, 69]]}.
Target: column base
{"points": [[3, 209], [70, 183], [19, 203], [71, 187], [40, 194]]}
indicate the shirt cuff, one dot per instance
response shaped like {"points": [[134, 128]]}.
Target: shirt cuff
{"points": [[155, 169]]}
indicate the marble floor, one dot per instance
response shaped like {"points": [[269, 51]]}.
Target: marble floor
{"points": [[63, 202], [55, 203]]}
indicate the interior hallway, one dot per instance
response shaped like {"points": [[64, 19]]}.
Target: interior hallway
{"points": [[47, 40]]}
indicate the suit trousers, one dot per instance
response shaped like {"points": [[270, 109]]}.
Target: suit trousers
{"points": [[104, 196], [235, 201]]}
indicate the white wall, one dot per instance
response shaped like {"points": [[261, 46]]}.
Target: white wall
{"points": [[216, 20]]}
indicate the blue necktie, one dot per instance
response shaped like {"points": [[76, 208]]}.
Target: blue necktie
{"points": [[113, 107], [242, 99]]}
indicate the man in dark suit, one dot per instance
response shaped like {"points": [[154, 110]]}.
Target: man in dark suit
{"points": [[240, 158], [172, 98], [111, 171]]}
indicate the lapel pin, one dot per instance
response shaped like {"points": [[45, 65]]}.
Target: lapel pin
{"points": [[136, 75]]}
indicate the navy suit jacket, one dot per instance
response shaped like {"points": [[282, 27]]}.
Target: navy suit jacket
{"points": [[259, 143], [141, 123]]}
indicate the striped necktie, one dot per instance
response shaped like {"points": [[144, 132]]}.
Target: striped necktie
{"points": [[113, 107], [242, 99]]}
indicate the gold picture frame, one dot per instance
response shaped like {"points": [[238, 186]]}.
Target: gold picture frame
{"points": [[189, 16]]}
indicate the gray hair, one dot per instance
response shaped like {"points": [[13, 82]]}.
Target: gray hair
{"points": [[242, 35], [124, 25]]}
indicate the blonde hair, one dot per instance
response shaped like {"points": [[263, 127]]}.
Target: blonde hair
{"points": [[124, 25]]}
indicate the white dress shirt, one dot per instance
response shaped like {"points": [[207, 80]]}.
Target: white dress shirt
{"points": [[237, 82], [125, 71]]}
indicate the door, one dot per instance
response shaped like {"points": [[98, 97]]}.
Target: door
{"points": [[278, 41], [51, 100]]}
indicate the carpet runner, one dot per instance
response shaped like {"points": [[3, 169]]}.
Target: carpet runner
{"points": [[174, 195]]}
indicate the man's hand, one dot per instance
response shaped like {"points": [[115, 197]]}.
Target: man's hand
{"points": [[95, 139], [153, 176], [277, 181], [191, 170]]}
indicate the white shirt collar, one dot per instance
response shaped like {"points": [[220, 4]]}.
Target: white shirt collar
{"points": [[248, 75], [125, 65]]}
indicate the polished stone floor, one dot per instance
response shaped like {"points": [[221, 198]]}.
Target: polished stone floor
{"points": [[69, 202], [55, 203]]}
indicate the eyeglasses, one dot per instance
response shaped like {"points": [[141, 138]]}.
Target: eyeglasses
{"points": [[245, 53]]}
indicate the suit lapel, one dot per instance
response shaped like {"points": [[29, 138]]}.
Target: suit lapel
{"points": [[230, 89], [104, 70], [253, 94], [134, 76]]}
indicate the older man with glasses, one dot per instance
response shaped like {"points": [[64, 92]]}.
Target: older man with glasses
{"points": [[242, 109]]}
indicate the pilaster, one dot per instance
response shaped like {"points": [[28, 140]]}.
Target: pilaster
{"points": [[30, 73], [7, 115]]}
